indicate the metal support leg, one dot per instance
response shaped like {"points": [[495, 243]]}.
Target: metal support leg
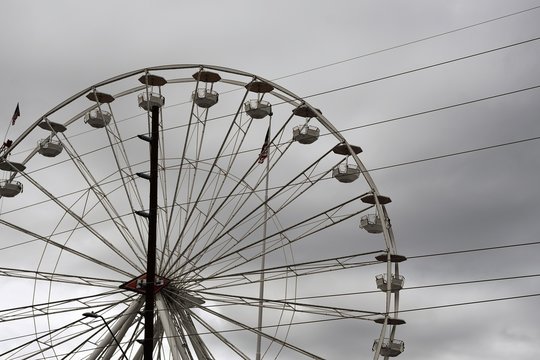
{"points": [[152, 234]]}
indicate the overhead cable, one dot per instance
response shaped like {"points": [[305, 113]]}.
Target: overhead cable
{"points": [[446, 62], [473, 250], [406, 44]]}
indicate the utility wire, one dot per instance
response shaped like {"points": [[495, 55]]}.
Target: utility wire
{"points": [[399, 46], [367, 317], [517, 297], [446, 107], [369, 170], [364, 317], [425, 112], [418, 160], [427, 286], [294, 301], [405, 44], [393, 76], [468, 282], [385, 77], [455, 154], [473, 250], [422, 68]]}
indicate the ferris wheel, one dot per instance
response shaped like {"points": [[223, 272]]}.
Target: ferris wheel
{"points": [[192, 212]]}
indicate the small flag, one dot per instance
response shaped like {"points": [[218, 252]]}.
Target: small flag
{"points": [[16, 114], [6, 145], [264, 149]]}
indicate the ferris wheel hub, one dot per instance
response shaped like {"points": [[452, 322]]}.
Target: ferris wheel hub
{"points": [[139, 283]]}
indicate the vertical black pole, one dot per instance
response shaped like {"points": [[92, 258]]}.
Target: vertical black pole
{"points": [[152, 234]]}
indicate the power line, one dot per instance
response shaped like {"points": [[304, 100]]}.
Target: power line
{"points": [[437, 157], [408, 116], [422, 68], [427, 286], [399, 46], [446, 107], [517, 297], [468, 282], [389, 77], [456, 153], [406, 44], [393, 76], [367, 317], [439, 109], [473, 250], [425, 112], [293, 302]]}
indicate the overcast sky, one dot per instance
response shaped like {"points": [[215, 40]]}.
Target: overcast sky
{"points": [[480, 199]]}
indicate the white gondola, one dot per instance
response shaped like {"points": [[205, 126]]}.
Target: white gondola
{"points": [[371, 223], [258, 109], [10, 189], [148, 101], [50, 148], [205, 98], [390, 348], [97, 119], [306, 134], [346, 173], [396, 283]]}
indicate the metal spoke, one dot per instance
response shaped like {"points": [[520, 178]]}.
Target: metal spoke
{"points": [[264, 335], [59, 277], [63, 247], [101, 195], [200, 194]]}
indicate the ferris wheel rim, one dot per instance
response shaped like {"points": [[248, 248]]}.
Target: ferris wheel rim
{"points": [[297, 101]]}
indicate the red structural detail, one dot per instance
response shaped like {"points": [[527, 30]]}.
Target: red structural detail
{"points": [[138, 284]]}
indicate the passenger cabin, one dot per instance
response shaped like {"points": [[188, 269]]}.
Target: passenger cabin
{"points": [[50, 148], [371, 223], [305, 134], [10, 188], [396, 282], [97, 118], [206, 97], [346, 173], [258, 109], [390, 348], [148, 100]]}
